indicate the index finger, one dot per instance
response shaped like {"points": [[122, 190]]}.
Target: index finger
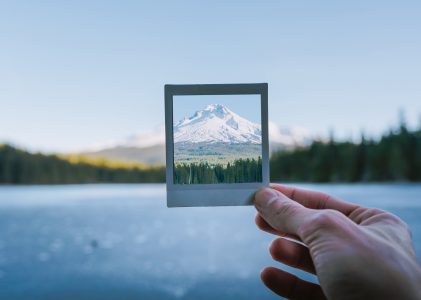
{"points": [[263, 225], [315, 200]]}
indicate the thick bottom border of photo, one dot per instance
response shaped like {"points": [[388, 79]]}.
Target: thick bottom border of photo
{"points": [[212, 197]]}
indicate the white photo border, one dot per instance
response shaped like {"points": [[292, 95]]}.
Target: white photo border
{"points": [[220, 194]]}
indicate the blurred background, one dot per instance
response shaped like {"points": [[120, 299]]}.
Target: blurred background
{"points": [[82, 200]]}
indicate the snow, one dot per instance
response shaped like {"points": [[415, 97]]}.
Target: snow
{"points": [[217, 123], [278, 136]]}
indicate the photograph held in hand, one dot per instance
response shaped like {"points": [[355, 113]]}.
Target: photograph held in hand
{"points": [[216, 140]]}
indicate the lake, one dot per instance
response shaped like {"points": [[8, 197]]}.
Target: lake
{"points": [[122, 242]]}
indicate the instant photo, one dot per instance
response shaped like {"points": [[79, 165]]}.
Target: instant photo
{"points": [[217, 145]]}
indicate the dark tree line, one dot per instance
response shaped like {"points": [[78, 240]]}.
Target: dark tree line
{"points": [[395, 157], [238, 171], [20, 167]]}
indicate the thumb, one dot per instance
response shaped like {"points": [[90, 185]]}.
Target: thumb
{"points": [[280, 212]]}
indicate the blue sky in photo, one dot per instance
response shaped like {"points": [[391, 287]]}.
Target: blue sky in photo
{"points": [[247, 106], [74, 73]]}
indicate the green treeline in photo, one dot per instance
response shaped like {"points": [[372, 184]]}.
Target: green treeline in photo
{"points": [[237, 171], [21, 167]]}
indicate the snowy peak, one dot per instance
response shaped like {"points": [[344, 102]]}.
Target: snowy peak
{"points": [[218, 110], [149, 146], [210, 111], [217, 124]]}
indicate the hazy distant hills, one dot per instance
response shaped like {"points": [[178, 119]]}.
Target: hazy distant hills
{"points": [[154, 155], [147, 147], [216, 123]]}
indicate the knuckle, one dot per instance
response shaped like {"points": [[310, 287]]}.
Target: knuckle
{"points": [[361, 214], [321, 220], [399, 221], [357, 213], [396, 221], [391, 218], [376, 211], [409, 231], [406, 229], [325, 218]]}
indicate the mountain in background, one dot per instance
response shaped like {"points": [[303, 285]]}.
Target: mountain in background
{"points": [[216, 136], [214, 123], [217, 124]]}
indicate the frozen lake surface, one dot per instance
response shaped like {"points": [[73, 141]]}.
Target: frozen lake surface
{"points": [[121, 242]]}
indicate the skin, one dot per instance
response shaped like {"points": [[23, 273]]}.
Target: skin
{"points": [[356, 252]]}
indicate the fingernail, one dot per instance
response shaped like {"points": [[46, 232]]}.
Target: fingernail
{"points": [[264, 197]]}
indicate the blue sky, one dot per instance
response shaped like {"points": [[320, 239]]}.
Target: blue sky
{"points": [[73, 73], [247, 106]]}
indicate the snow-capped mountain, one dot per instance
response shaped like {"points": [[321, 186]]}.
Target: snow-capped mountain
{"points": [[149, 146], [217, 124]]}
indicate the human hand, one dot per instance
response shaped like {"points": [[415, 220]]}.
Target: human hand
{"points": [[356, 252]]}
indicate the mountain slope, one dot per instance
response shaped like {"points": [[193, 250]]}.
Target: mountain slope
{"points": [[148, 147], [217, 124]]}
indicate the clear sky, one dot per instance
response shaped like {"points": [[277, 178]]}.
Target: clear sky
{"points": [[73, 73], [247, 106]]}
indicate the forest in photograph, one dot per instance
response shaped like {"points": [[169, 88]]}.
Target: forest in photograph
{"points": [[238, 171], [216, 145]]}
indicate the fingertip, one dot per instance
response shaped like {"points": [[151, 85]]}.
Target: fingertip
{"points": [[263, 225], [280, 249], [290, 286], [273, 246], [258, 193], [257, 220], [272, 278], [266, 274], [264, 197]]}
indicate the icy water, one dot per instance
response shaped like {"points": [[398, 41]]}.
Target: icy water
{"points": [[121, 242]]}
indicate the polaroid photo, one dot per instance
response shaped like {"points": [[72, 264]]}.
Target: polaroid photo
{"points": [[217, 151]]}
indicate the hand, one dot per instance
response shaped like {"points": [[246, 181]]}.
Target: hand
{"points": [[356, 252]]}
